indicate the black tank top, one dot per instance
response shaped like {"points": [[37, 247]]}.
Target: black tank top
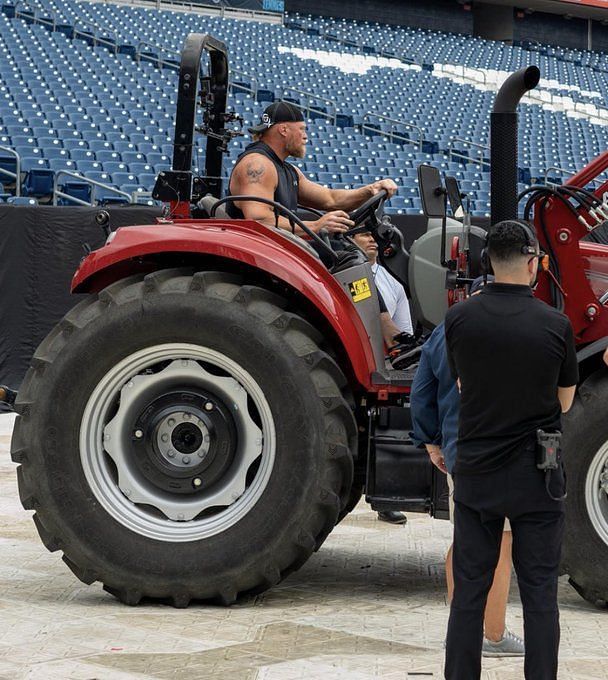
{"points": [[286, 192]]}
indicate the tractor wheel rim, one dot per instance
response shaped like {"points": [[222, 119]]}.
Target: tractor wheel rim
{"points": [[108, 436], [596, 492]]}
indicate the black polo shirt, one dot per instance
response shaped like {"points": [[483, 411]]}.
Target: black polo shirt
{"points": [[510, 352]]}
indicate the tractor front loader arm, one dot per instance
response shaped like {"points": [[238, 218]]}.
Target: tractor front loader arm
{"points": [[582, 265]]}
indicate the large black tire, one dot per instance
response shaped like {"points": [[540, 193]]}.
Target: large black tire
{"points": [[585, 553], [316, 438]]}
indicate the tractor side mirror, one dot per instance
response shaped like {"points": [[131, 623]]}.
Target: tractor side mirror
{"points": [[454, 196], [432, 192]]}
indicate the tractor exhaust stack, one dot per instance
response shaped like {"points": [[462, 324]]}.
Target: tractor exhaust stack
{"points": [[503, 142]]}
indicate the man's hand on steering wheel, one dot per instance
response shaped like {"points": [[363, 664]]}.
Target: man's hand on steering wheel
{"points": [[335, 222], [384, 184]]}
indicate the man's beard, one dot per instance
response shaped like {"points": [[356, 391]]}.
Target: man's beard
{"points": [[298, 151]]}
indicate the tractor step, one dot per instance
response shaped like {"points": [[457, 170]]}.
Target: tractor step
{"points": [[393, 377]]}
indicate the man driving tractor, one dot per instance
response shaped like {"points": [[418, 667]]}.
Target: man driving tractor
{"points": [[262, 171]]}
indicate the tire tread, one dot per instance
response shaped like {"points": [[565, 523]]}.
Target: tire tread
{"points": [[302, 339]]}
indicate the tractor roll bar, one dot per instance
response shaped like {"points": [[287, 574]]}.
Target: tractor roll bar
{"points": [[503, 142], [215, 87]]}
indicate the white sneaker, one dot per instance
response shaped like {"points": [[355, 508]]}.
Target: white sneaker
{"points": [[510, 645]]}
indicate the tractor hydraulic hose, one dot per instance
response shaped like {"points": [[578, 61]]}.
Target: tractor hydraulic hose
{"points": [[542, 192], [580, 197], [596, 212], [556, 293], [590, 197], [538, 190], [503, 143]]}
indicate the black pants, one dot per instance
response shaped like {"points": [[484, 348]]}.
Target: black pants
{"points": [[482, 501]]}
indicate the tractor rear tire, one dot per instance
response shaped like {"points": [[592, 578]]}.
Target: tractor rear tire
{"points": [[117, 501], [585, 552]]}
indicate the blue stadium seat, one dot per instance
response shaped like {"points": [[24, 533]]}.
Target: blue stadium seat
{"points": [[128, 107], [79, 190], [147, 180], [39, 182], [115, 166]]}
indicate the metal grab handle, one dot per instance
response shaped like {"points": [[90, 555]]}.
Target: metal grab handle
{"points": [[291, 216], [456, 153]]}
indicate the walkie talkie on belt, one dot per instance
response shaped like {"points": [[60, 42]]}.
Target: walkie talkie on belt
{"points": [[548, 449], [548, 456]]}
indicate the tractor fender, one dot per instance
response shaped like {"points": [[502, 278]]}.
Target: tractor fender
{"points": [[251, 243]]}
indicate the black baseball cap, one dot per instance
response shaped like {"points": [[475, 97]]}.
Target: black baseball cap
{"points": [[279, 112]]}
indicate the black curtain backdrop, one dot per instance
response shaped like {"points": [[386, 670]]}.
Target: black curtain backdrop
{"points": [[40, 249]]}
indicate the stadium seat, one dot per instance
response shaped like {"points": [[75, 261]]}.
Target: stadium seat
{"points": [[124, 109]]}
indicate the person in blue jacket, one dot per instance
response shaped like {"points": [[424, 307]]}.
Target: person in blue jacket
{"points": [[434, 409]]}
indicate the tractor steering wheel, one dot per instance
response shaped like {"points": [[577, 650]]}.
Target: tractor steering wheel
{"points": [[373, 207]]}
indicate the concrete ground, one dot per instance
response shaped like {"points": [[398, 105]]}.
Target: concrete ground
{"points": [[369, 604]]}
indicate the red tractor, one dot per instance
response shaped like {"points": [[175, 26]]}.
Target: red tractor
{"points": [[199, 423]]}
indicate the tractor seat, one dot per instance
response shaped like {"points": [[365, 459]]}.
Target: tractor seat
{"points": [[207, 202]]}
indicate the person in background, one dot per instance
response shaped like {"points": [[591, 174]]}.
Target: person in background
{"points": [[391, 290], [515, 361], [398, 308], [434, 410]]}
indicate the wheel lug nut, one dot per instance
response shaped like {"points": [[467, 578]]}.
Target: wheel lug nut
{"points": [[171, 422], [209, 406], [139, 434], [186, 416], [164, 437], [186, 460], [170, 453], [196, 482]]}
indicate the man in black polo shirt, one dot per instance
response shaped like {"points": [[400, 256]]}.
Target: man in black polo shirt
{"points": [[514, 357]]}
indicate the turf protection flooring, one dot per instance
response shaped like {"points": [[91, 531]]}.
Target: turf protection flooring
{"points": [[370, 604]]}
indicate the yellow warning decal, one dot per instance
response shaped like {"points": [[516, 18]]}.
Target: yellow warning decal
{"points": [[360, 290]]}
